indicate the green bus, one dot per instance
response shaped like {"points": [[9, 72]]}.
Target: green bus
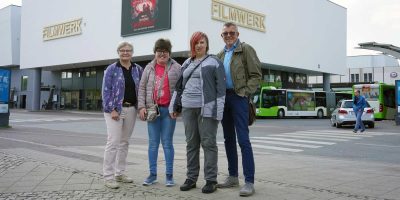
{"points": [[381, 97], [272, 102]]}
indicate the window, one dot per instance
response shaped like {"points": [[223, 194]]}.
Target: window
{"points": [[24, 83], [65, 75], [93, 72], [367, 77], [352, 78], [357, 78], [272, 98], [278, 78]]}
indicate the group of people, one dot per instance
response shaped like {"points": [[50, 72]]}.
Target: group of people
{"points": [[214, 88]]}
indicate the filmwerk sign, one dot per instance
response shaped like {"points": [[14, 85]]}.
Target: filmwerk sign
{"points": [[243, 17], [62, 30]]}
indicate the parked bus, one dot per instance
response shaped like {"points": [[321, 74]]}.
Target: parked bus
{"points": [[381, 97], [272, 102], [343, 95]]}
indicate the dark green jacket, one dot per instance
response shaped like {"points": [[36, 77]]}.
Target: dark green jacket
{"points": [[245, 69]]}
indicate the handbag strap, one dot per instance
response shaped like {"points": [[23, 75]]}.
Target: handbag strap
{"points": [[194, 69], [161, 83]]}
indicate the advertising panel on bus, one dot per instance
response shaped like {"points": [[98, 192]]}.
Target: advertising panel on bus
{"points": [[300, 101]]}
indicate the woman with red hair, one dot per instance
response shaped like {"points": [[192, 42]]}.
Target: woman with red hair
{"points": [[203, 99]]}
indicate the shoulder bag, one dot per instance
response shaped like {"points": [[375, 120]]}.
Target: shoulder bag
{"points": [[153, 111]]}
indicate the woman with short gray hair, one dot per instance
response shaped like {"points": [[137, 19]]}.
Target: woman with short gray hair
{"points": [[119, 93]]}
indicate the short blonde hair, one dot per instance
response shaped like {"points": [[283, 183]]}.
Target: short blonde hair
{"points": [[124, 44]]}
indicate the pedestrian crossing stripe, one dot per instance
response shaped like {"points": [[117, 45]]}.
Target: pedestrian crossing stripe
{"points": [[350, 131], [309, 137], [56, 119], [295, 140], [292, 142], [335, 134], [285, 143], [321, 135]]}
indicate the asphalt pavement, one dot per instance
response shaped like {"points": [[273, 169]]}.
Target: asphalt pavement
{"points": [[58, 155]]}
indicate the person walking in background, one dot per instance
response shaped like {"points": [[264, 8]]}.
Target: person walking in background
{"points": [[203, 105], [119, 92], [359, 104], [243, 76], [157, 85]]}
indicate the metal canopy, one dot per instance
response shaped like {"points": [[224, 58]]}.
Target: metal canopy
{"points": [[387, 49]]}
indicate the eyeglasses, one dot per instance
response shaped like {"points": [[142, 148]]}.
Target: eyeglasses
{"points": [[125, 50], [162, 51], [232, 33]]}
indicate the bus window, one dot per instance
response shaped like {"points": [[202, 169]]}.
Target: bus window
{"points": [[320, 99], [271, 98], [388, 97]]}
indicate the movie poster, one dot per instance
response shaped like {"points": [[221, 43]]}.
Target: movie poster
{"points": [[143, 16]]}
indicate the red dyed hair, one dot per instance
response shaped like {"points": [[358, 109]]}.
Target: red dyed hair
{"points": [[194, 40]]}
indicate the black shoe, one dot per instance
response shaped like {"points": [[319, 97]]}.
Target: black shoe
{"points": [[354, 131], [189, 184], [362, 131], [210, 187]]}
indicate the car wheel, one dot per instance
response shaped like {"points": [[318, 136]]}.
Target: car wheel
{"points": [[371, 125], [320, 114], [338, 125], [332, 123], [281, 114]]}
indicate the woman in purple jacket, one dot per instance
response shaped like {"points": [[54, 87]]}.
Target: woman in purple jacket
{"points": [[119, 92]]}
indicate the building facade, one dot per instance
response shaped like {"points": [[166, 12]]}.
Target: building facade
{"points": [[64, 50], [365, 69]]}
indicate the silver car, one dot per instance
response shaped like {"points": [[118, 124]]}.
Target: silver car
{"points": [[344, 115]]}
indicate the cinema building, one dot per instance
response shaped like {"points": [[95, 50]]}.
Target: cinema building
{"points": [[58, 50]]}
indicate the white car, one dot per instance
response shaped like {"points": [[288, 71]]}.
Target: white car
{"points": [[344, 115]]}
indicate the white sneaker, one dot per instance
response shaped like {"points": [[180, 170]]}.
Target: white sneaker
{"points": [[111, 184], [247, 190], [123, 179]]}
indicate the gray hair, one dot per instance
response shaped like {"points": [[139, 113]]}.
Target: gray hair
{"points": [[124, 44], [229, 24]]}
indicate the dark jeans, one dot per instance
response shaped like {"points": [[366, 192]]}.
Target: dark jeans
{"points": [[235, 124]]}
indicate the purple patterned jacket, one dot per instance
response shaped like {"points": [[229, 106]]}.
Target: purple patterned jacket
{"points": [[113, 88]]}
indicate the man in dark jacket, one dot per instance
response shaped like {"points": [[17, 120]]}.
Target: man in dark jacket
{"points": [[243, 75]]}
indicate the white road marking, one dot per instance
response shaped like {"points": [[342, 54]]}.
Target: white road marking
{"points": [[29, 142], [285, 143], [294, 140]]}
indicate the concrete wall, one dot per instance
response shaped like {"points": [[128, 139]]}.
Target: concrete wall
{"points": [[10, 24]]}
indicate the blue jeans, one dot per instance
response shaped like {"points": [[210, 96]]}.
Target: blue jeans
{"points": [[161, 129], [235, 123], [359, 123]]}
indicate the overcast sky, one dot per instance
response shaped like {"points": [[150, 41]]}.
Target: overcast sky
{"points": [[367, 21], [371, 21]]}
